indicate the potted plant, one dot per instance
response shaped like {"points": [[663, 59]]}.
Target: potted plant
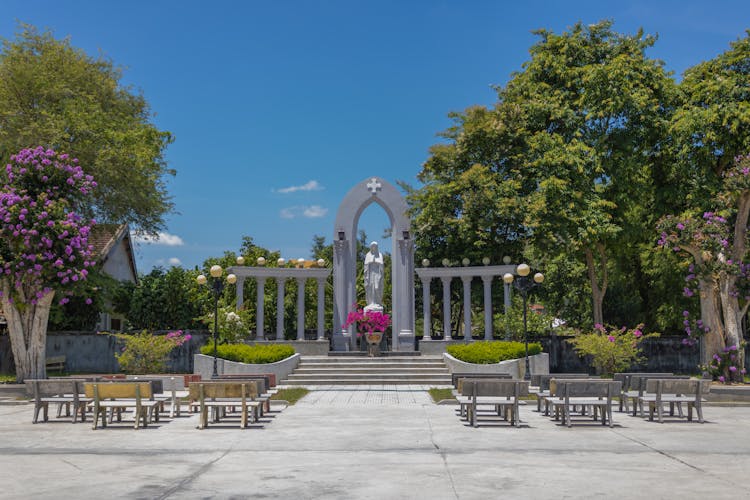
{"points": [[370, 324]]}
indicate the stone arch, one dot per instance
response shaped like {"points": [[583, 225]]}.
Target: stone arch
{"points": [[362, 195]]}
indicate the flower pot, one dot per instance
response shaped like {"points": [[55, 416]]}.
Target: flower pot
{"points": [[374, 337]]}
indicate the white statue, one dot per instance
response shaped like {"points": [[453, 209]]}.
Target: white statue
{"points": [[373, 272]]}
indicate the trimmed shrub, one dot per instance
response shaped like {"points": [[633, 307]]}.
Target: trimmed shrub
{"points": [[484, 353], [251, 354]]}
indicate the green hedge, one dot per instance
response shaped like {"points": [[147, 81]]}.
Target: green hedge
{"points": [[253, 354], [483, 353]]}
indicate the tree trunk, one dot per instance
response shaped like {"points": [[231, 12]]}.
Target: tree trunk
{"points": [[710, 302], [597, 291], [732, 322], [27, 327]]}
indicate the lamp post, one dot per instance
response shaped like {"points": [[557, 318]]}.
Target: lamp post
{"points": [[217, 286], [524, 284]]}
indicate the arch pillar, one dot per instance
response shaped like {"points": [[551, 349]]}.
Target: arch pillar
{"points": [[362, 195]]}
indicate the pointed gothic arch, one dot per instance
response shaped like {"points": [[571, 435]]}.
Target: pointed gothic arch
{"points": [[362, 195]]}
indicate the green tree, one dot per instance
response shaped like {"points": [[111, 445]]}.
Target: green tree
{"points": [[55, 95], [595, 109]]}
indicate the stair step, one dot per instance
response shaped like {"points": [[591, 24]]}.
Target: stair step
{"points": [[374, 381], [367, 376], [400, 369]]}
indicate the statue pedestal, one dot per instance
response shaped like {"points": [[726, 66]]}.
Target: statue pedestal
{"points": [[374, 308]]}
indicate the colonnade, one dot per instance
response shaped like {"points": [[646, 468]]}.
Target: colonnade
{"points": [[465, 274], [280, 275]]}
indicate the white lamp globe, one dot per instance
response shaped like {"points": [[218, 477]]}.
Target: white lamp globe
{"points": [[425, 262], [508, 278], [216, 271], [201, 279], [240, 260], [281, 261], [523, 269], [321, 262], [486, 261], [261, 261], [231, 279], [538, 277], [465, 261]]}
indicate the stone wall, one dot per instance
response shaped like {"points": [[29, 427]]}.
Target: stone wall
{"points": [[663, 354], [89, 352]]}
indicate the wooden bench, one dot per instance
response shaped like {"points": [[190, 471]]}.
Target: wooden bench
{"points": [[119, 395], [597, 394], [63, 392], [501, 394], [221, 395], [674, 391], [55, 362], [264, 390]]}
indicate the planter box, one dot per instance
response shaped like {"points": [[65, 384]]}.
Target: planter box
{"points": [[539, 364], [204, 366]]}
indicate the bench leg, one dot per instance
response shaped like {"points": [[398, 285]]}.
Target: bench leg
{"points": [[699, 411], [243, 417], [609, 415], [660, 412], [566, 416]]}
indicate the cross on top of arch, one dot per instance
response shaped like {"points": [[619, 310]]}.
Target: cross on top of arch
{"points": [[374, 185]]}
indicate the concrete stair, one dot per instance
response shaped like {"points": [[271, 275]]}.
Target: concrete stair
{"points": [[352, 370]]}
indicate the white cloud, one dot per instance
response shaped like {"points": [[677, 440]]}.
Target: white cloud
{"points": [[311, 212], [315, 211], [174, 261], [162, 238], [312, 185]]}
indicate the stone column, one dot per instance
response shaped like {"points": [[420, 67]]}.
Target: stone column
{"points": [[301, 308], [426, 309], [487, 281], [467, 307], [321, 308], [260, 308], [240, 291], [280, 308], [446, 307]]}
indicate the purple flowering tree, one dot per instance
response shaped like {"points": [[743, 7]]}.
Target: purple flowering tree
{"points": [[716, 242], [44, 248]]}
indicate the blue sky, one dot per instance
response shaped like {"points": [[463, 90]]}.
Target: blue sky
{"points": [[279, 108]]}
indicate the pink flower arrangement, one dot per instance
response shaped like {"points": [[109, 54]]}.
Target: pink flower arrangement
{"points": [[367, 322]]}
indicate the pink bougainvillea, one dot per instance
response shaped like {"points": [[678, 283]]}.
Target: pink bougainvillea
{"points": [[43, 241]]}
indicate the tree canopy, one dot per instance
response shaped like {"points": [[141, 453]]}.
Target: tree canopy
{"points": [[55, 95]]}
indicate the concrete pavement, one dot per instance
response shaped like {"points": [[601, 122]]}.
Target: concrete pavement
{"points": [[373, 443]]}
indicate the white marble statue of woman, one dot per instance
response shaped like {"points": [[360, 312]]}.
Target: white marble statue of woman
{"points": [[373, 272]]}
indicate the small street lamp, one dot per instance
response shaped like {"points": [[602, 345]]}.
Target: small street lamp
{"points": [[524, 284], [217, 286]]}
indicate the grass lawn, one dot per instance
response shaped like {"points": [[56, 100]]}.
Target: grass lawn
{"points": [[292, 394], [7, 378], [440, 394]]}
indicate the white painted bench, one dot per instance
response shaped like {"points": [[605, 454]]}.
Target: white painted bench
{"points": [[662, 391], [62, 392], [501, 394], [596, 394]]}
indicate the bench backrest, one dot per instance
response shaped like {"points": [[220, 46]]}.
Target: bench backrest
{"points": [[248, 376], [224, 389], [625, 377], [455, 377], [494, 387], [116, 390], [638, 382], [573, 388], [544, 380], [168, 382], [44, 388], [678, 386]]}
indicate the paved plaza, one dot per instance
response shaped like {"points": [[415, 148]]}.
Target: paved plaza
{"points": [[372, 442]]}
